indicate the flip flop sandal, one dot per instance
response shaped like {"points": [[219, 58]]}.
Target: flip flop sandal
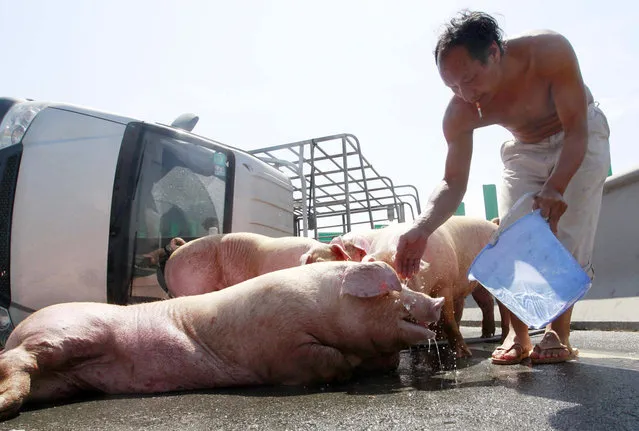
{"points": [[521, 355], [555, 360]]}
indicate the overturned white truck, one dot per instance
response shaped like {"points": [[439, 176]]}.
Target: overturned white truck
{"points": [[86, 197], [90, 200]]}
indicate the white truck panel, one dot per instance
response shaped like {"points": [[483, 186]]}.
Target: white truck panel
{"points": [[263, 200], [60, 228]]}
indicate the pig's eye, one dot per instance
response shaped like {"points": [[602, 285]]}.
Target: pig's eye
{"points": [[411, 319]]}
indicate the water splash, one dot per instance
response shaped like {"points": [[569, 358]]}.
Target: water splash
{"points": [[441, 367], [404, 283]]}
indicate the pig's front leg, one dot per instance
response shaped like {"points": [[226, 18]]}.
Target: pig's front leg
{"points": [[26, 374], [454, 336], [315, 363], [484, 300], [459, 309], [16, 369]]}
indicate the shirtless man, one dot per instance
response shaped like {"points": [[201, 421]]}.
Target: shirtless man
{"points": [[532, 86]]}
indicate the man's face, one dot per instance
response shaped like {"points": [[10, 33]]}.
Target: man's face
{"points": [[469, 78]]}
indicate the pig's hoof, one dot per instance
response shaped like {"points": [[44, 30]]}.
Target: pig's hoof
{"points": [[488, 328], [8, 411], [13, 391], [463, 352], [10, 404]]}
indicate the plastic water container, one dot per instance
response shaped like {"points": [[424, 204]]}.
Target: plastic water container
{"points": [[528, 270]]}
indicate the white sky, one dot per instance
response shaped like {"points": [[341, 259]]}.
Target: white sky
{"points": [[262, 73]]}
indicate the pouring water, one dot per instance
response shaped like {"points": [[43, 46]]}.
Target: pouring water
{"points": [[404, 283]]}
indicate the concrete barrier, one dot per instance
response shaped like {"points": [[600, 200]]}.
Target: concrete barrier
{"points": [[613, 299]]}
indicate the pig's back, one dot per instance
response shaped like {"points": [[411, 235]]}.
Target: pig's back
{"points": [[213, 263], [469, 235], [193, 269], [387, 238]]}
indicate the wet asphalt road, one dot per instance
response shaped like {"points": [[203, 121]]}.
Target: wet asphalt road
{"points": [[600, 391]]}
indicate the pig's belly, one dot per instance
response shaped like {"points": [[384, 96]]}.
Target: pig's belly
{"points": [[151, 354]]}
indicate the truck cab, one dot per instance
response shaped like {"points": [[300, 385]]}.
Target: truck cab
{"points": [[87, 198]]}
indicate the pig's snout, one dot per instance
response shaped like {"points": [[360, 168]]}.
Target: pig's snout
{"points": [[422, 307]]}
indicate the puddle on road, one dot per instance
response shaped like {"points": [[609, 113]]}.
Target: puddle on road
{"points": [[433, 369], [424, 369]]}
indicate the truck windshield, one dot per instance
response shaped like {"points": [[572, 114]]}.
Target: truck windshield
{"points": [[182, 192]]}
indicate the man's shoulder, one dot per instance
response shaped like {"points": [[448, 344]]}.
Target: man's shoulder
{"points": [[546, 49], [539, 37]]}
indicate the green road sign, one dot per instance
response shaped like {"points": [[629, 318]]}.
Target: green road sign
{"points": [[326, 237], [490, 201]]}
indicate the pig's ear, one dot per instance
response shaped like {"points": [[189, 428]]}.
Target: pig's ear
{"points": [[366, 280], [339, 252], [361, 244], [305, 258], [337, 240]]}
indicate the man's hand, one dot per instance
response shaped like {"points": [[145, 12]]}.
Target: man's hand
{"points": [[552, 205], [410, 249]]}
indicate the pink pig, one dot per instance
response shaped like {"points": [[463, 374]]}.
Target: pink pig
{"points": [[304, 325], [450, 251], [218, 261]]}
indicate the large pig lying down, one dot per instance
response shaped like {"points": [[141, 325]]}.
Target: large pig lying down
{"points": [[449, 252], [304, 325], [216, 262]]}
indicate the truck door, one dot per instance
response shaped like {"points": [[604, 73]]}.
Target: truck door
{"points": [[168, 184]]}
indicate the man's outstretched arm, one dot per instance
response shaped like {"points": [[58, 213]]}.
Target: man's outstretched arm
{"points": [[446, 197]]}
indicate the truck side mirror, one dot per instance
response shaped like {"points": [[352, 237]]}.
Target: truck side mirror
{"points": [[186, 122]]}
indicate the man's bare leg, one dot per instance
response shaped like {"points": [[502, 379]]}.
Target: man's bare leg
{"points": [[517, 344], [555, 346], [504, 317]]}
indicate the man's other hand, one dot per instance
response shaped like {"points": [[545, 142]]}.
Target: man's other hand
{"points": [[552, 206]]}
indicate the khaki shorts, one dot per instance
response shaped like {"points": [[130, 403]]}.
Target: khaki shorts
{"points": [[528, 166]]}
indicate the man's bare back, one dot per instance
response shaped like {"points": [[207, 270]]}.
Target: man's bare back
{"points": [[523, 103]]}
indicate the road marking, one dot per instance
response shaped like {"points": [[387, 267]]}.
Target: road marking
{"points": [[590, 354], [612, 355]]}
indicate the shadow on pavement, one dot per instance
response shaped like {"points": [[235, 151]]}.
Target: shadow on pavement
{"points": [[597, 393]]}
